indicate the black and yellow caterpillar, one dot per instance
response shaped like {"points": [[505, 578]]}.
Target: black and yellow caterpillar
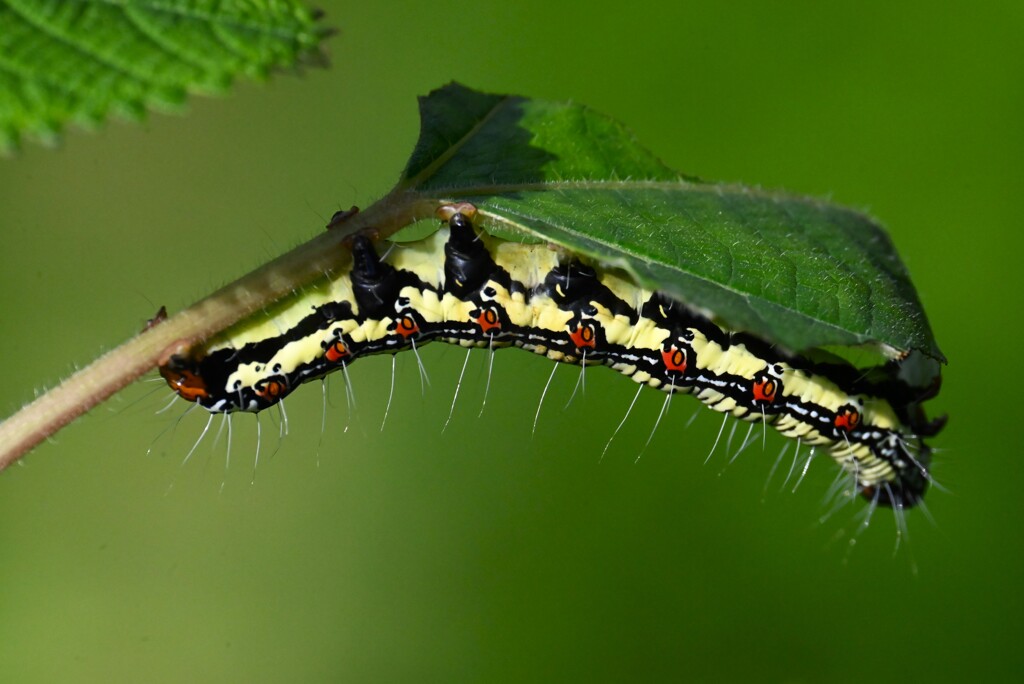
{"points": [[469, 288]]}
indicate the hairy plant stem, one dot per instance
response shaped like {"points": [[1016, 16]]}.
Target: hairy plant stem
{"points": [[251, 293]]}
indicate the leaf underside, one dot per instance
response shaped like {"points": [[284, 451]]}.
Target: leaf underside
{"points": [[799, 272], [82, 60]]}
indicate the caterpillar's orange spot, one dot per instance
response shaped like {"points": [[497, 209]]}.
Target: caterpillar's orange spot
{"points": [[674, 359], [271, 390], [406, 326], [847, 419], [187, 384], [488, 320], [583, 336], [336, 352], [764, 390]]}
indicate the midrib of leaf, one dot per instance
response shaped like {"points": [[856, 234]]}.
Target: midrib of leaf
{"points": [[625, 184]]}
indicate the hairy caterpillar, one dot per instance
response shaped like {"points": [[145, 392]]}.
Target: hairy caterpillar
{"points": [[469, 288]]}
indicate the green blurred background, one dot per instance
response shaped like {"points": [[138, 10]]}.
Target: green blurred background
{"points": [[480, 554]]}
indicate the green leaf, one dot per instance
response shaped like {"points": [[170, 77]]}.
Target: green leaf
{"points": [[469, 139], [799, 272], [63, 60]]}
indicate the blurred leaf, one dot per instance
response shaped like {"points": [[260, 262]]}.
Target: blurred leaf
{"points": [[797, 271], [64, 60]]}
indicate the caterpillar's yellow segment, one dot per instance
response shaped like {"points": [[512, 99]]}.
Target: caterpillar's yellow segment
{"points": [[472, 289]]}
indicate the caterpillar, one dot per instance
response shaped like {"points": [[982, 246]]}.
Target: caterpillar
{"points": [[466, 287]]}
